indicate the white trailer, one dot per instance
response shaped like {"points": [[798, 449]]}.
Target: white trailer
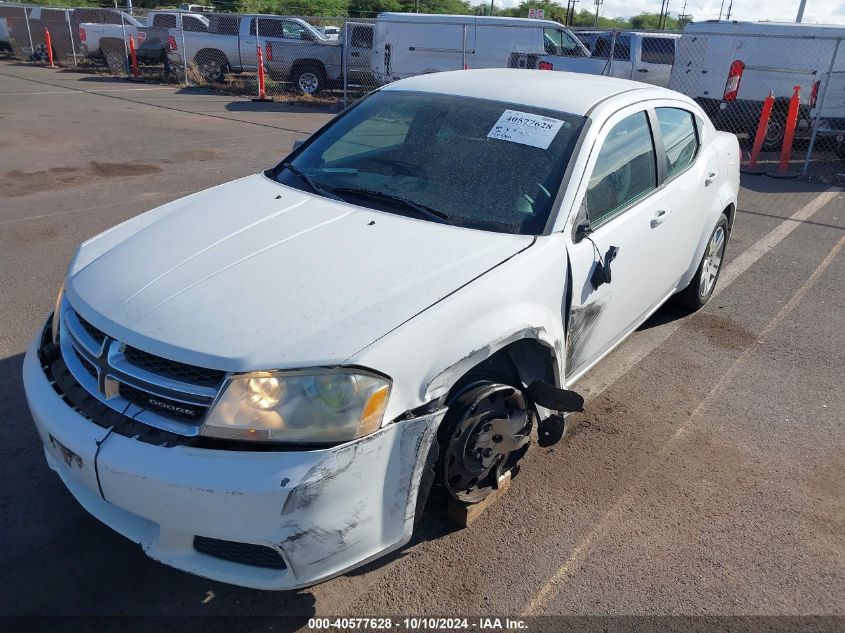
{"points": [[730, 68]]}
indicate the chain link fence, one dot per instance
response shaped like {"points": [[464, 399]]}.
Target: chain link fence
{"points": [[728, 68]]}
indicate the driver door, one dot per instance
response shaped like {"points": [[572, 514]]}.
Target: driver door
{"points": [[625, 210]]}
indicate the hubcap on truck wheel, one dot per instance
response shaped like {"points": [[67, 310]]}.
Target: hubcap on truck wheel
{"points": [[488, 437], [213, 72], [712, 262], [308, 82]]}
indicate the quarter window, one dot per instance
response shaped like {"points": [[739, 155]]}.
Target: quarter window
{"points": [[625, 169], [680, 140]]}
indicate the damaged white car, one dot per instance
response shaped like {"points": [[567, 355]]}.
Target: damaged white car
{"points": [[260, 383]]}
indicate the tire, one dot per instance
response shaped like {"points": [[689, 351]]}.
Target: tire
{"points": [[214, 68], [115, 57], [308, 79], [701, 288], [484, 434], [775, 131]]}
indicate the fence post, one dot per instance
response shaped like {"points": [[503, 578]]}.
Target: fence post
{"points": [[125, 45], [70, 32], [185, 50], [344, 51], [819, 109], [29, 34], [611, 53], [464, 49]]}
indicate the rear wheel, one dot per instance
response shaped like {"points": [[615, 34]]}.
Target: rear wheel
{"points": [[309, 79], [484, 434], [213, 69], [115, 56], [701, 288]]}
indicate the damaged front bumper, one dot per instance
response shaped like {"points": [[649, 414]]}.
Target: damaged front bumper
{"points": [[263, 519]]}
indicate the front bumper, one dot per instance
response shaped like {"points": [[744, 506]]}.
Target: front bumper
{"points": [[323, 511]]}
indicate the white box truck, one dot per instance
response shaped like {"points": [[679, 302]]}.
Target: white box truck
{"points": [[407, 44], [730, 68]]}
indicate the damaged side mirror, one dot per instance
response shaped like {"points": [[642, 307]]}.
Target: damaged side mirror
{"points": [[601, 273]]}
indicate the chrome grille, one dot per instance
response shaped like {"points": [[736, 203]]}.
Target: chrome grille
{"points": [[156, 391]]}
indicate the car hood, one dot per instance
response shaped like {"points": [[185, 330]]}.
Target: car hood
{"points": [[257, 275]]}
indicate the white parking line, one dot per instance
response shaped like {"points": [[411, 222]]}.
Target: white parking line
{"points": [[556, 582], [78, 91], [634, 350]]}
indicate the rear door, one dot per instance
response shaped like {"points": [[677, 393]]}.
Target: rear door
{"points": [[654, 60]]}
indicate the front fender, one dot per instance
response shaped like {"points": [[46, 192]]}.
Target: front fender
{"points": [[521, 298]]}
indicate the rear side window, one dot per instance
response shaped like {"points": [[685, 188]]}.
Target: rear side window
{"points": [[193, 24], [680, 139], [621, 47], [267, 28], [658, 50], [164, 21], [227, 24], [625, 169]]}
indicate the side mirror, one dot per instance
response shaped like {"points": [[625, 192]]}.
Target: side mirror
{"points": [[601, 273], [297, 143], [581, 231]]}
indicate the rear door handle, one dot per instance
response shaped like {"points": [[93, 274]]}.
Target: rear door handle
{"points": [[659, 217], [710, 178], [642, 70]]}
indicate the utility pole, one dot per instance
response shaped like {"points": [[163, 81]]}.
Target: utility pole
{"points": [[730, 8], [800, 15], [721, 8], [598, 6], [491, 6]]}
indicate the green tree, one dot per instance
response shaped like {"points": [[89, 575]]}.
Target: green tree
{"points": [[293, 7], [652, 21]]}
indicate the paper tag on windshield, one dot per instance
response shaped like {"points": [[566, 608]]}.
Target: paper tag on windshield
{"points": [[527, 129]]}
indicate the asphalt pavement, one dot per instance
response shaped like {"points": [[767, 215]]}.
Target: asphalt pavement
{"points": [[706, 477]]}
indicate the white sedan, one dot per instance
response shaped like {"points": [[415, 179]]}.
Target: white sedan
{"points": [[260, 383]]}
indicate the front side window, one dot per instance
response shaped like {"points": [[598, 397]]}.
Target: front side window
{"points": [[622, 48], [680, 140], [294, 31], [482, 164], [625, 169], [558, 42]]}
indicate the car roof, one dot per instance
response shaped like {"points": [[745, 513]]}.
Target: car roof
{"points": [[576, 93], [782, 28], [447, 18]]}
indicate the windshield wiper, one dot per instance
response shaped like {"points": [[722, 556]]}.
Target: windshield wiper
{"points": [[420, 209], [323, 191]]}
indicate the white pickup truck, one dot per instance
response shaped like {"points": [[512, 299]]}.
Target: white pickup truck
{"points": [[641, 56], [153, 37]]}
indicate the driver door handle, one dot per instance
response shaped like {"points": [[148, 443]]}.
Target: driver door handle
{"points": [[659, 217]]}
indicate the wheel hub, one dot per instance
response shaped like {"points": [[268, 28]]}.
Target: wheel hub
{"points": [[490, 434]]}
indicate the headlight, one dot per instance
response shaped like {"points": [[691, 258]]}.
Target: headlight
{"points": [[57, 316], [316, 406]]}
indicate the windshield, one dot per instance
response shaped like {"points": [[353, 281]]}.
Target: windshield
{"points": [[471, 162]]}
